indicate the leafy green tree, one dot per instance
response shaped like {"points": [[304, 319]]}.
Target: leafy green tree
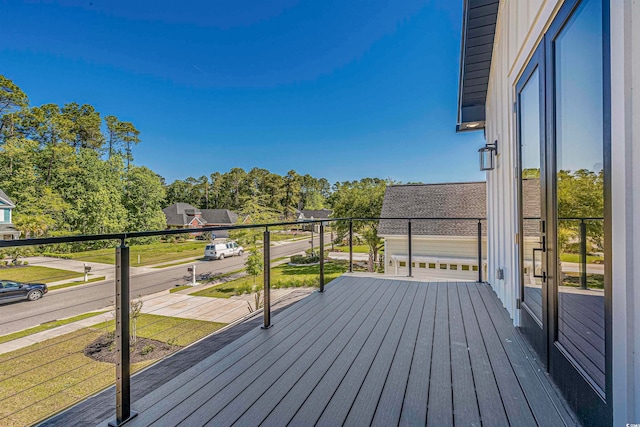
{"points": [[254, 265], [291, 197], [144, 199], [121, 136], [12, 98], [361, 199], [86, 124]]}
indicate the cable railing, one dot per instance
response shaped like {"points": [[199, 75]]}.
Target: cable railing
{"points": [[123, 301]]}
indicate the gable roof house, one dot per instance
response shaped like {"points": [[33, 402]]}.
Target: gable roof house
{"points": [[184, 215], [441, 248], [7, 230], [311, 214]]}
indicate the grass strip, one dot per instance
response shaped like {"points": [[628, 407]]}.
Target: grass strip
{"points": [[282, 276], [153, 253], [46, 326], [70, 284], [37, 274]]}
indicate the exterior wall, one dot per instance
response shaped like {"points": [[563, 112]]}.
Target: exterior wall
{"points": [[520, 27], [625, 202], [441, 251]]}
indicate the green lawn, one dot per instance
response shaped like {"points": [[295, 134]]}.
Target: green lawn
{"points": [[362, 249], [567, 257], [76, 283], [42, 379], [283, 276], [153, 253], [37, 274], [47, 326]]}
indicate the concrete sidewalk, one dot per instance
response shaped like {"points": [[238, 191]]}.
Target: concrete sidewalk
{"points": [[225, 310]]}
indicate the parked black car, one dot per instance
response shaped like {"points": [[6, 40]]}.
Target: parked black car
{"points": [[10, 290]]}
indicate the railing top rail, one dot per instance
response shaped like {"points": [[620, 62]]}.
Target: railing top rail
{"points": [[154, 233]]}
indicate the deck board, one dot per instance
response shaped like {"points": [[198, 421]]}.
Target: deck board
{"points": [[368, 352]]}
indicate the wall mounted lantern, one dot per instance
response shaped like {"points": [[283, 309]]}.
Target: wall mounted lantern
{"points": [[488, 155]]}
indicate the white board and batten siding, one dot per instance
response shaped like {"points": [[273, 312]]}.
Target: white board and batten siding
{"points": [[520, 27], [436, 257], [625, 207]]}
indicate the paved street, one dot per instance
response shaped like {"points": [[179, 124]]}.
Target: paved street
{"points": [[72, 301]]}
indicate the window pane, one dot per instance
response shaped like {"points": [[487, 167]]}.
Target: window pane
{"points": [[580, 196]]}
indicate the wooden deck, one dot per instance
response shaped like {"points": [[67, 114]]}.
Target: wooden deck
{"points": [[369, 352]]}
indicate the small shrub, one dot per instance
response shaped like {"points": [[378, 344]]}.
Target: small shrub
{"points": [[302, 259], [25, 262], [147, 349]]}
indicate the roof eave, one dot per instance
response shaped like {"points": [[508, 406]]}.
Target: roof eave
{"points": [[479, 44]]}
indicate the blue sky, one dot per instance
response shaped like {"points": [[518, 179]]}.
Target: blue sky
{"points": [[336, 89]]}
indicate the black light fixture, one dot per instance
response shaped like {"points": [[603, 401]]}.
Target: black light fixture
{"points": [[488, 155]]}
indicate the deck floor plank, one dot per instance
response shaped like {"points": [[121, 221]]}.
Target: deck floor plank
{"points": [[390, 406], [216, 395], [515, 403], [280, 405], [414, 406], [492, 412], [369, 351], [340, 404], [365, 405], [282, 376], [241, 359], [465, 401], [440, 406]]}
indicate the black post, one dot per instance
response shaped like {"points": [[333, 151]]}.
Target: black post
{"points": [[267, 278], [350, 246], [123, 366], [321, 257], [410, 255], [479, 251], [583, 254]]}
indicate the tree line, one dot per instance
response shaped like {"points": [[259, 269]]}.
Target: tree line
{"points": [[70, 170]]}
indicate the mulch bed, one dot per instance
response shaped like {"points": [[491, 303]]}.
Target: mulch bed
{"points": [[103, 349]]}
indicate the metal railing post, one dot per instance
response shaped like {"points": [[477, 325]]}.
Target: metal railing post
{"points": [[350, 246], [123, 366], [410, 254], [583, 254], [479, 251], [266, 243], [321, 257]]}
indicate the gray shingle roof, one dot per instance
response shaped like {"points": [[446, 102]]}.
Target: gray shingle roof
{"points": [[316, 213], [6, 199], [219, 216], [180, 214], [176, 215], [448, 200]]}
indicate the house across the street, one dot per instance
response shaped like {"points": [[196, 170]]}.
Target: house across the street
{"points": [[184, 215], [444, 249], [7, 230], [312, 214]]}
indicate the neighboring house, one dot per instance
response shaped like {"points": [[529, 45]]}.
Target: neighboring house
{"points": [[312, 214], [554, 87], [184, 215], [7, 230], [442, 249]]}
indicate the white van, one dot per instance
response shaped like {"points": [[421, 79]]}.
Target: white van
{"points": [[221, 250]]}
